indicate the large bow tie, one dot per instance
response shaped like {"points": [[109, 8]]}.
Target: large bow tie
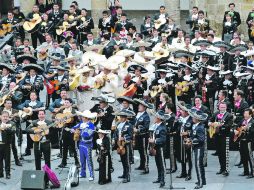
{"points": [[220, 116]]}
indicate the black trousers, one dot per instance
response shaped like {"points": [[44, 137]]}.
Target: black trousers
{"points": [[199, 164], [68, 144], [29, 141], [34, 36], [223, 151], [244, 153], [104, 169], [142, 146], [186, 157], [5, 158], [14, 148], [159, 163], [126, 162]]}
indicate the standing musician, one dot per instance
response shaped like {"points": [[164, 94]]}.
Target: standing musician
{"points": [[6, 77], [55, 16], [191, 19], [229, 28], [223, 57], [227, 83], [46, 27], [201, 24], [122, 137], [157, 142], [104, 23], [7, 128], [72, 21], [20, 17], [84, 25], [116, 18], [35, 35], [33, 105], [32, 81], [10, 20], [161, 17], [41, 128], [147, 27], [104, 158], [221, 122], [85, 129], [141, 133], [139, 81], [250, 23], [16, 96], [169, 149], [197, 141], [235, 16], [123, 25], [185, 123], [13, 113], [242, 132], [67, 136]]}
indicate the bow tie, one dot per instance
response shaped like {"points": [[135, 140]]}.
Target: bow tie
{"points": [[220, 116], [237, 104]]}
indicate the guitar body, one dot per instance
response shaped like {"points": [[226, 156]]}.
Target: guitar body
{"points": [[184, 88], [130, 91], [237, 137], [155, 91], [74, 81], [32, 26], [158, 23], [7, 27], [63, 118], [24, 114], [49, 90]]}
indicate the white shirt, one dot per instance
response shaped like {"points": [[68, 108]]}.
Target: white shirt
{"points": [[32, 103], [4, 80], [60, 78], [120, 127], [32, 79], [195, 125], [90, 42], [139, 115]]}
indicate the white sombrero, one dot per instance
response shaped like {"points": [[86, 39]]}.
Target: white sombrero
{"points": [[125, 53], [87, 114]]}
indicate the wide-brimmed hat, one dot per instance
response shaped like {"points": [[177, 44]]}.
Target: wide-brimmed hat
{"points": [[182, 53], [115, 61], [133, 67], [241, 74], [225, 72], [222, 44], [249, 53], [84, 70], [125, 53], [142, 44], [56, 57], [197, 114], [206, 53], [95, 47], [37, 68], [8, 67], [202, 42], [147, 55], [240, 47], [161, 115], [125, 113], [184, 107], [29, 57], [70, 58], [125, 98], [186, 65], [144, 103], [213, 68], [60, 68], [91, 58], [104, 98], [87, 114]]}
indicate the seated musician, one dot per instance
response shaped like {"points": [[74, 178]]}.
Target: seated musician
{"points": [[33, 104], [8, 106], [55, 49], [7, 128], [122, 137], [67, 136], [41, 145], [10, 20], [45, 46], [86, 129], [32, 81], [6, 77], [90, 40]]}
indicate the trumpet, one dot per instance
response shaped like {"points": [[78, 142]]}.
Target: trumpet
{"points": [[84, 24]]}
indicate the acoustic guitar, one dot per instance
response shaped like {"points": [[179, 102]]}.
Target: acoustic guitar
{"points": [[29, 111], [241, 131], [130, 90], [32, 26], [73, 80], [45, 131], [156, 90], [4, 97], [64, 118]]}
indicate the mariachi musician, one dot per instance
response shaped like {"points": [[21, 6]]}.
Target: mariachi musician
{"points": [[20, 17], [67, 137], [184, 122], [10, 20], [138, 80], [46, 26], [41, 128], [237, 59], [169, 149], [157, 142], [31, 105], [201, 24], [72, 19], [221, 123], [242, 134], [227, 83], [141, 133], [122, 137], [55, 16], [6, 77], [7, 128], [233, 14], [35, 35], [250, 23], [32, 81], [223, 57], [84, 25], [104, 23]]}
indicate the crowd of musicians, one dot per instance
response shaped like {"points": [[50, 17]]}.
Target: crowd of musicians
{"points": [[163, 91]]}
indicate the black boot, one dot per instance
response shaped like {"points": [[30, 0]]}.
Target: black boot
{"points": [[27, 152]]}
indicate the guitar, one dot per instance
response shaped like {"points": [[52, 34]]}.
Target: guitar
{"points": [[73, 80], [241, 131], [4, 126], [64, 118], [156, 90], [8, 28], [184, 87], [213, 128], [44, 130], [33, 25], [29, 111], [55, 85], [4, 97]]}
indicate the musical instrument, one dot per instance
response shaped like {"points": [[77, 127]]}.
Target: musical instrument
{"points": [[252, 31], [241, 131], [20, 77], [156, 90], [4, 126], [29, 111], [130, 90], [120, 146], [64, 118], [4, 97], [152, 151], [44, 131], [101, 82], [73, 80], [84, 23], [187, 143], [73, 178], [55, 84], [62, 28], [213, 128], [183, 88], [159, 22], [8, 28], [32, 26], [51, 176], [76, 135]]}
